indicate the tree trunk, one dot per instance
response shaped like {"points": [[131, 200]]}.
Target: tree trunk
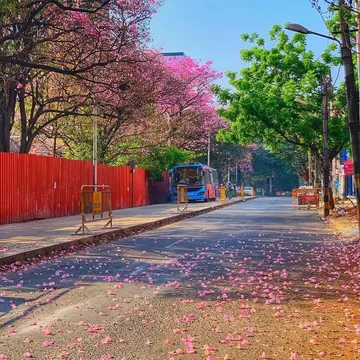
{"points": [[7, 109], [331, 200], [4, 130]]}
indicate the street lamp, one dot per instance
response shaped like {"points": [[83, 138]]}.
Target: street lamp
{"points": [[174, 54], [351, 95], [303, 30]]}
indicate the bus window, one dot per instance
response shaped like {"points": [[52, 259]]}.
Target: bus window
{"points": [[188, 176]]}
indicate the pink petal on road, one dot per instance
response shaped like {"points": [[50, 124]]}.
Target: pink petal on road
{"points": [[46, 331], [106, 340]]}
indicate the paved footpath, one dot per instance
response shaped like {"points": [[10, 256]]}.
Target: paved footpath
{"points": [[25, 240]]}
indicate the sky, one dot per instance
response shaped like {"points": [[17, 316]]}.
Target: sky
{"points": [[210, 29]]}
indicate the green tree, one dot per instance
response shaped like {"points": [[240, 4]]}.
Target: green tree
{"points": [[158, 159], [267, 164], [225, 155], [265, 103], [293, 159]]}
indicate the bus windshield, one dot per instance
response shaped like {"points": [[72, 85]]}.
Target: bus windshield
{"points": [[188, 176]]}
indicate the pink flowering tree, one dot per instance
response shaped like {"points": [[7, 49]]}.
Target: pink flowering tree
{"points": [[162, 102], [68, 38], [238, 159], [186, 104]]}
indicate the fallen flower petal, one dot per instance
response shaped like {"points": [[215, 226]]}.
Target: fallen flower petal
{"points": [[106, 340]]}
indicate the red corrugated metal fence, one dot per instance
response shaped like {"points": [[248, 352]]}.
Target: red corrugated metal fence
{"points": [[37, 187]]}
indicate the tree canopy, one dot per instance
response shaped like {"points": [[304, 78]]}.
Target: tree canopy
{"points": [[277, 97]]}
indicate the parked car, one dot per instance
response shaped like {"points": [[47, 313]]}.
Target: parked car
{"points": [[249, 191]]}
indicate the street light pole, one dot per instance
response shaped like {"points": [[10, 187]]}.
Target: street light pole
{"points": [[325, 120]]}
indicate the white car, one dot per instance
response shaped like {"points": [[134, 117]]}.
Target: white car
{"points": [[248, 191]]}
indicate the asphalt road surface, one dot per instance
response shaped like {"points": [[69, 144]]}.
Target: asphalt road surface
{"points": [[257, 280]]}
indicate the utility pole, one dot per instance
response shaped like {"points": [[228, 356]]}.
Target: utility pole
{"points": [[310, 168], [208, 157], [94, 118], [357, 15], [325, 120], [236, 175], [352, 102]]}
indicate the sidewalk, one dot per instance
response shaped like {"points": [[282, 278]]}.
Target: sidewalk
{"points": [[21, 241]]}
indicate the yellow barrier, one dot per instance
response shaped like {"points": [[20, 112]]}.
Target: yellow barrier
{"points": [[182, 198], [95, 205], [294, 193], [222, 193], [242, 193]]}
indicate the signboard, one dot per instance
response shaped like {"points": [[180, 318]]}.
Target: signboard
{"points": [[97, 203], [348, 167]]}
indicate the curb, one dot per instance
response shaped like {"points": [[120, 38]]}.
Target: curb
{"points": [[37, 254]]}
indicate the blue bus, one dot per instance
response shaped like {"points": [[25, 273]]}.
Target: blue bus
{"points": [[201, 181]]}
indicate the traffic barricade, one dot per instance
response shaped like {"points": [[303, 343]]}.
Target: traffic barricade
{"points": [[95, 205], [182, 198], [294, 193], [307, 198], [222, 193]]}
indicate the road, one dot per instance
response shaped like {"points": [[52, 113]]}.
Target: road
{"points": [[252, 281]]}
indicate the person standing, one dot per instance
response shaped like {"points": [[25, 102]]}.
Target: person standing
{"points": [[234, 191]]}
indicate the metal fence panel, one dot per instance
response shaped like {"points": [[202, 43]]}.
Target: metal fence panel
{"points": [[38, 187]]}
